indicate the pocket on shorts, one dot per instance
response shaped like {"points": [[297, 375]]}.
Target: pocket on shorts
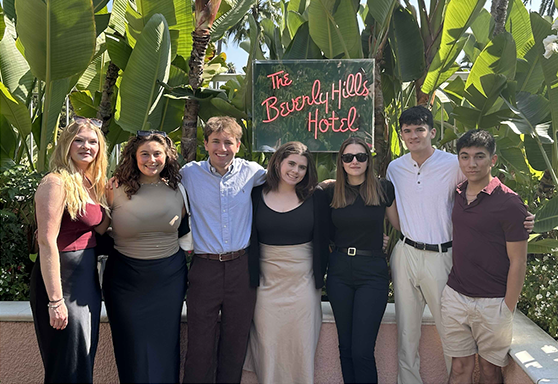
{"points": [[505, 309]]}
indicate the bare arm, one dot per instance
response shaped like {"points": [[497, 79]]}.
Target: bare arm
{"points": [[49, 201], [393, 216], [103, 226], [517, 253]]}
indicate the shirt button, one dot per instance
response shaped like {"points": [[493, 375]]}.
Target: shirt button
{"points": [[224, 210], [419, 173], [414, 165], [226, 241], [419, 182], [224, 226]]}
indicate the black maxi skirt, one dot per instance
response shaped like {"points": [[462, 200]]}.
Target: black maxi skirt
{"points": [[144, 300], [68, 355]]}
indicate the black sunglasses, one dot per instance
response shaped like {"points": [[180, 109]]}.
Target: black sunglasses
{"points": [[96, 122], [348, 157], [149, 133]]}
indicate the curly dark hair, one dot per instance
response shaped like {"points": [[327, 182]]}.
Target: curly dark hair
{"points": [[128, 174]]}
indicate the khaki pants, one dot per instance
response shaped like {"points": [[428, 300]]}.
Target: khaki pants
{"points": [[419, 278]]}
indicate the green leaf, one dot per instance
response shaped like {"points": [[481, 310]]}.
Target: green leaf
{"points": [[14, 70], [302, 46], [9, 9], [337, 33], [51, 30], [92, 78], [101, 23], [543, 246], [15, 111], [547, 217], [230, 18], [381, 10], [482, 26], [297, 5], [184, 25], [534, 155], [498, 57], [227, 109], [407, 45], [519, 25], [459, 16], [294, 22], [118, 16], [148, 64], [455, 90], [515, 158], [8, 142], [83, 104], [98, 5], [119, 51], [2, 23], [116, 135]]}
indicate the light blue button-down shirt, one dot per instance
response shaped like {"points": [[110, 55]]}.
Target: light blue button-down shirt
{"points": [[221, 206]]}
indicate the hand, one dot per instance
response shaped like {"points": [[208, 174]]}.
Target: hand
{"points": [[529, 222], [112, 183], [509, 305], [386, 242], [326, 183], [58, 317]]}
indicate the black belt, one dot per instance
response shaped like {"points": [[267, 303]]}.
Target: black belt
{"points": [[352, 251], [221, 256], [427, 247]]}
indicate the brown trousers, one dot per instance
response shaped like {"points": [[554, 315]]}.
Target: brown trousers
{"points": [[218, 286]]}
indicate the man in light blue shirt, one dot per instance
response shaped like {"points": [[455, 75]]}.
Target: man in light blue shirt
{"points": [[219, 191]]}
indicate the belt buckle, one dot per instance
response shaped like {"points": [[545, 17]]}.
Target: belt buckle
{"points": [[351, 251], [221, 257], [421, 246]]}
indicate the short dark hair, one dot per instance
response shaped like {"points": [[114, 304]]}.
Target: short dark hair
{"points": [[222, 124], [307, 185], [416, 115], [477, 138]]}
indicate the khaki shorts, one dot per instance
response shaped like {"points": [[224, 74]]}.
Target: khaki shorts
{"points": [[476, 325]]}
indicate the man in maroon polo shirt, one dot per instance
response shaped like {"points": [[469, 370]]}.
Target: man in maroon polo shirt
{"points": [[489, 262]]}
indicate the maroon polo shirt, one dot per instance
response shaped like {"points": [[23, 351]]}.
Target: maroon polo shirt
{"points": [[480, 232]]}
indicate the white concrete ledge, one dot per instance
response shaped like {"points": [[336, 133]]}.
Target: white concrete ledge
{"points": [[21, 311], [534, 350]]}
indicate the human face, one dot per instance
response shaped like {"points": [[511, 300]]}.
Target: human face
{"points": [[222, 147], [476, 164], [356, 171], [84, 148], [293, 169], [151, 159], [418, 138]]}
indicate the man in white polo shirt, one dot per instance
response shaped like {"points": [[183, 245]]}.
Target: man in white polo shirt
{"points": [[425, 180]]}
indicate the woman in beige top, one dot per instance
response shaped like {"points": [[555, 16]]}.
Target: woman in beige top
{"points": [[145, 278]]}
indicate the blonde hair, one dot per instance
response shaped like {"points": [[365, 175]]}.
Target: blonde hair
{"points": [[62, 165]]}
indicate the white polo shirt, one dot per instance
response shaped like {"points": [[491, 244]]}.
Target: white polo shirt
{"points": [[425, 195]]}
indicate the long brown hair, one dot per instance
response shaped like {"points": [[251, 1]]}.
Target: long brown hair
{"points": [[128, 174], [306, 186], [370, 191]]}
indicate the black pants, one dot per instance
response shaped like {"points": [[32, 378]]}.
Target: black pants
{"points": [[357, 287]]}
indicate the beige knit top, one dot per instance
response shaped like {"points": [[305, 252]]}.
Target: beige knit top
{"points": [[146, 226]]}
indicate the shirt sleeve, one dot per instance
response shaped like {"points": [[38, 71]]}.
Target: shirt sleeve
{"points": [[260, 175], [513, 216], [389, 191]]}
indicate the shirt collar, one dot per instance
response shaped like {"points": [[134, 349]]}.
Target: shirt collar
{"points": [[494, 183], [232, 168]]}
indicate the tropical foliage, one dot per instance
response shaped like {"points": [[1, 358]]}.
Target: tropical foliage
{"points": [[147, 64]]}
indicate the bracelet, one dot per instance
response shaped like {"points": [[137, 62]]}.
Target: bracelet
{"points": [[54, 306], [56, 301]]}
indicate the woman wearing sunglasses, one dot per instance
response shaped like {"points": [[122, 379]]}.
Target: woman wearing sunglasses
{"points": [[65, 292], [287, 262], [145, 278], [357, 278]]}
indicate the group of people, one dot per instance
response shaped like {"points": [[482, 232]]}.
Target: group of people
{"points": [[263, 242]]}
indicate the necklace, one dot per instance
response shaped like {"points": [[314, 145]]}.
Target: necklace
{"points": [[88, 181], [153, 183]]}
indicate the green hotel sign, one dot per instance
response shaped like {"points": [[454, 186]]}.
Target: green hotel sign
{"points": [[317, 102]]}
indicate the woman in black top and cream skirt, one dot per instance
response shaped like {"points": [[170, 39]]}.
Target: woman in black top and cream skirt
{"points": [[288, 253], [357, 278]]}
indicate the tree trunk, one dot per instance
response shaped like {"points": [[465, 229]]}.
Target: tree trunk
{"points": [[381, 146], [498, 11], [191, 106], [105, 107]]}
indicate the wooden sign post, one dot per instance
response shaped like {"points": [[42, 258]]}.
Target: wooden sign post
{"points": [[317, 102]]}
